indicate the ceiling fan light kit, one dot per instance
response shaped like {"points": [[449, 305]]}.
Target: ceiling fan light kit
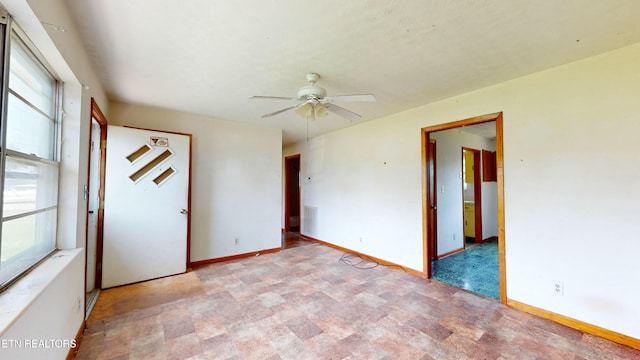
{"points": [[312, 111], [314, 102]]}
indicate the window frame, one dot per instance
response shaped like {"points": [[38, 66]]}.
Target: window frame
{"points": [[10, 31]]}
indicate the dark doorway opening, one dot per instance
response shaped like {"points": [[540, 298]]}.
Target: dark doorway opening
{"points": [[292, 194]]}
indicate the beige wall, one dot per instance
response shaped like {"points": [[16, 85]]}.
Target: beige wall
{"points": [[570, 138], [236, 179]]}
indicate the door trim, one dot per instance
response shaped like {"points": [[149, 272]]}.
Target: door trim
{"points": [[497, 117], [97, 114]]}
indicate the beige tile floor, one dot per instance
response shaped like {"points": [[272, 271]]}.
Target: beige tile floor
{"points": [[302, 303]]}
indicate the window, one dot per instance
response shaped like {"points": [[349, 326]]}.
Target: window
{"points": [[29, 159]]}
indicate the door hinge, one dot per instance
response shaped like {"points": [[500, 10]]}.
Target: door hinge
{"points": [[3, 15], [103, 144], [101, 205]]}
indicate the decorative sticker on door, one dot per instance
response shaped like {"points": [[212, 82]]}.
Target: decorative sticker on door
{"points": [[159, 141]]}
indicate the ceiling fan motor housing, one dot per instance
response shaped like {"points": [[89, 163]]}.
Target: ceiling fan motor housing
{"points": [[311, 92]]}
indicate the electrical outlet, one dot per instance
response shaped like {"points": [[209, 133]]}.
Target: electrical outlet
{"points": [[454, 236], [360, 238], [236, 240], [558, 288]]}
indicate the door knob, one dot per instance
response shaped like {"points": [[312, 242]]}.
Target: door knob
{"points": [[184, 211]]}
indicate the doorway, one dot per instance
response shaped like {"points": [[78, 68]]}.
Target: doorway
{"points": [[291, 230], [432, 213], [292, 194], [94, 194], [471, 197], [437, 212]]}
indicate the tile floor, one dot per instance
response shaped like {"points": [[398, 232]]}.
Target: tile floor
{"points": [[292, 239], [302, 303], [474, 269]]}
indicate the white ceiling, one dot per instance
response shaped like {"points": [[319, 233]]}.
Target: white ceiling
{"points": [[486, 130], [207, 57]]}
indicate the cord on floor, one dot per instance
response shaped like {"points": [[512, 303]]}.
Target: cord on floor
{"points": [[357, 261], [363, 262]]}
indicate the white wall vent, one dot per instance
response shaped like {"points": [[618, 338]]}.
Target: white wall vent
{"points": [[310, 220]]}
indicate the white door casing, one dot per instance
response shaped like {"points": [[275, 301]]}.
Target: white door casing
{"points": [[146, 205], [94, 201]]}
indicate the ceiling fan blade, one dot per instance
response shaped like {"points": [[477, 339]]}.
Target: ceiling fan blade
{"points": [[273, 98], [352, 98], [279, 111], [349, 115]]}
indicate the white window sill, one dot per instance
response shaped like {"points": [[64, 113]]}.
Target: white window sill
{"points": [[15, 301]]}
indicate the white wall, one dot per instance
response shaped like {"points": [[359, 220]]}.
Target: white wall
{"points": [[360, 179], [236, 179], [450, 221], [570, 135], [51, 317], [66, 54]]}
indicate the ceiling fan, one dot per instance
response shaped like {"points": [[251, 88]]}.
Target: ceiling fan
{"points": [[313, 102]]}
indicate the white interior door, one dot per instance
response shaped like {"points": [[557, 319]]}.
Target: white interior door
{"points": [[146, 205]]}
